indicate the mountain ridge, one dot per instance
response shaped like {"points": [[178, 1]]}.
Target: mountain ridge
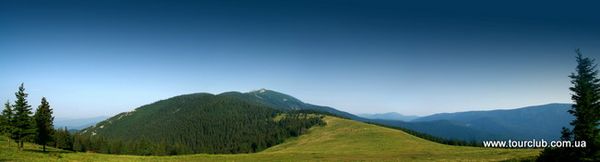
{"points": [[389, 116], [521, 123]]}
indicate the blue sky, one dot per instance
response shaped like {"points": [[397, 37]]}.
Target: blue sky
{"points": [[93, 58]]}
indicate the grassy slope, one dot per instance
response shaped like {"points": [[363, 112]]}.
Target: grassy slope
{"points": [[340, 140]]}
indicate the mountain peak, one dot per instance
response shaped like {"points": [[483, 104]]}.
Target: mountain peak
{"points": [[262, 90], [274, 95]]}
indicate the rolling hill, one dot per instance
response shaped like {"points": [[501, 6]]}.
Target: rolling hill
{"points": [[444, 129], [195, 123], [230, 122], [519, 123], [204, 114], [339, 140]]}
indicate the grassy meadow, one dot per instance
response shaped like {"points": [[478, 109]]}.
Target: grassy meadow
{"points": [[339, 140]]}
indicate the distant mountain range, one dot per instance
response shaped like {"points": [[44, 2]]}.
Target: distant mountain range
{"points": [[389, 116], [533, 122], [77, 123]]}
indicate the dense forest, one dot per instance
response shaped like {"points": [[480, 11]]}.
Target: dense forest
{"points": [[195, 123]]}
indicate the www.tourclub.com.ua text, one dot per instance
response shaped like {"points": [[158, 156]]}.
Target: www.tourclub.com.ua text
{"points": [[533, 144]]}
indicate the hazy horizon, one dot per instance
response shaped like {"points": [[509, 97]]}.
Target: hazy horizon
{"points": [[110, 114], [93, 58]]}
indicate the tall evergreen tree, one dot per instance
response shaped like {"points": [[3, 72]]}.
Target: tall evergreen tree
{"points": [[43, 121], [586, 96], [6, 126], [22, 120], [586, 88]]}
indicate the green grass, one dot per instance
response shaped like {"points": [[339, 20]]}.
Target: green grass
{"points": [[340, 140]]}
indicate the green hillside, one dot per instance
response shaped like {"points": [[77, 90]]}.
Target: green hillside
{"points": [[194, 123], [339, 140]]}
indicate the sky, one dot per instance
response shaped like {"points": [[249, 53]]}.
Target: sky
{"points": [[92, 58]]}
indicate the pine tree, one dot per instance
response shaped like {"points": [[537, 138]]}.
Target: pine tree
{"points": [[43, 121], [586, 95], [22, 121], [586, 88], [6, 126]]}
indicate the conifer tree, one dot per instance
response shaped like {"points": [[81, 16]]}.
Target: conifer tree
{"points": [[43, 121], [6, 126], [586, 89], [586, 110], [22, 121]]}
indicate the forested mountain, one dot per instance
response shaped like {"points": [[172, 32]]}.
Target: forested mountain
{"points": [[235, 122], [196, 123], [534, 122], [282, 101]]}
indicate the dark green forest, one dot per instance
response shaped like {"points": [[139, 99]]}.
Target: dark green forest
{"points": [[195, 123]]}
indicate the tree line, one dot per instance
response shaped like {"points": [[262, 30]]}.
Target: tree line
{"points": [[19, 123], [219, 141], [437, 139]]}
